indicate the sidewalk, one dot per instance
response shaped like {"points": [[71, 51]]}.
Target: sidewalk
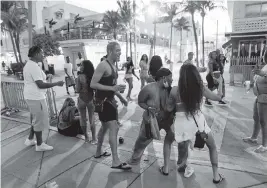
{"points": [[71, 164]]}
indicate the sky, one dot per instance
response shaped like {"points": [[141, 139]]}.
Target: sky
{"points": [[210, 20]]}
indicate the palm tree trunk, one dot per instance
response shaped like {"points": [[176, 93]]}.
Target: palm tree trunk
{"points": [[171, 42], [203, 43], [115, 35], [195, 34], [127, 44], [30, 23], [131, 45], [181, 40], [16, 36], [14, 46]]}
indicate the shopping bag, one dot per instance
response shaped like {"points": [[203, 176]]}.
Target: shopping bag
{"points": [[154, 127]]}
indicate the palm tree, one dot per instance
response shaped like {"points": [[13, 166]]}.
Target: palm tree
{"points": [[126, 16], [203, 8], [171, 10], [112, 23], [181, 24], [191, 7], [14, 17]]}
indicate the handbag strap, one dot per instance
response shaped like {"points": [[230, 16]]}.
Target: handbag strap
{"points": [[196, 121]]}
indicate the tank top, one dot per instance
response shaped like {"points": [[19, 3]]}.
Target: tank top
{"points": [[110, 80]]}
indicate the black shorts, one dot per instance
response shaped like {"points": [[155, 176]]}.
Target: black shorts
{"points": [[109, 113], [166, 123]]}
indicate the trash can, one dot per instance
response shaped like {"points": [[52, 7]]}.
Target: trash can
{"points": [[51, 69]]}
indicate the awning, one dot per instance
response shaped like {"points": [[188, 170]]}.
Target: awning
{"points": [[228, 43]]}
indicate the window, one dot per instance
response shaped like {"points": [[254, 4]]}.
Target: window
{"points": [[256, 10]]}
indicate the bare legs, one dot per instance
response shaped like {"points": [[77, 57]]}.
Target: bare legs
{"points": [[143, 82], [130, 84], [213, 156], [260, 123], [113, 134], [169, 138]]}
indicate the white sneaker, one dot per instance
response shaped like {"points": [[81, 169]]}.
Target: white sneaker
{"points": [[188, 172], [29, 142], [44, 147]]}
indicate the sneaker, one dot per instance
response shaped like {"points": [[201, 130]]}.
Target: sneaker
{"points": [[261, 149], [29, 142], [222, 103], [188, 172], [44, 147], [208, 103], [93, 142], [250, 140]]}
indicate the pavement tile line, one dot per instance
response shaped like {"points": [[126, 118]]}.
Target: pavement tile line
{"points": [[262, 183]]}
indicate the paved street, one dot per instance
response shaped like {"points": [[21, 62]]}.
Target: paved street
{"points": [[71, 164]]}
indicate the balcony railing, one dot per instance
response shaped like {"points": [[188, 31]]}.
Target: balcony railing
{"points": [[80, 34], [250, 24]]}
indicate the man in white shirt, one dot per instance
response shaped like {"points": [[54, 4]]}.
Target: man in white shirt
{"points": [[190, 60], [78, 62], [69, 75], [35, 88]]}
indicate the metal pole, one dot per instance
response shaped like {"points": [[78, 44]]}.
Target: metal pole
{"points": [[155, 38], [135, 52], [30, 23], [217, 36]]}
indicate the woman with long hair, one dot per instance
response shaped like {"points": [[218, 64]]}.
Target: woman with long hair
{"points": [[214, 77], [189, 119], [144, 69], [154, 65], [129, 76], [69, 120], [85, 99]]}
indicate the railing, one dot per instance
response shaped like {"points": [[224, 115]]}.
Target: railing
{"points": [[250, 24], [241, 68], [13, 98], [88, 35]]}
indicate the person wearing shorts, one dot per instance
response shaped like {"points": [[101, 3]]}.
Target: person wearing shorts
{"points": [[104, 81], [35, 89]]}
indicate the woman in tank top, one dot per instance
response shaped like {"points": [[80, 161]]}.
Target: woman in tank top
{"points": [[129, 76]]}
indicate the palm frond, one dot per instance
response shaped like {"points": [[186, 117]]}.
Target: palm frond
{"points": [[181, 24]]}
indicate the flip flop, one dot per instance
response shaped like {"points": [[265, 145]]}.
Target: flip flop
{"points": [[218, 181], [105, 154], [162, 172], [122, 166]]}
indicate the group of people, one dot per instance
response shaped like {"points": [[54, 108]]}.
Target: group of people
{"points": [[176, 109]]}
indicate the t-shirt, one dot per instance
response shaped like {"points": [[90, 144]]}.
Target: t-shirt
{"points": [[78, 62], [189, 61], [40, 64], [32, 73], [68, 66]]}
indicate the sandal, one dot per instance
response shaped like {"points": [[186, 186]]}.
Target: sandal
{"points": [[162, 172], [122, 166], [105, 154], [261, 149], [218, 181], [250, 140]]}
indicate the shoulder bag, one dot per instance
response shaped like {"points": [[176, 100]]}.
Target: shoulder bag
{"points": [[200, 136]]}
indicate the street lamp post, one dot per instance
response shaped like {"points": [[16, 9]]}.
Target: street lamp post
{"points": [[135, 53], [30, 23]]}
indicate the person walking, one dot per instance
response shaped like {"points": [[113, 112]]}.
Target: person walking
{"points": [[129, 76], [78, 62], [85, 99], [35, 88], [143, 69], [69, 75], [104, 81]]}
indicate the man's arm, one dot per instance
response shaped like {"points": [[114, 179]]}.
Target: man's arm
{"points": [[143, 97], [210, 68], [201, 69], [99, 72]]}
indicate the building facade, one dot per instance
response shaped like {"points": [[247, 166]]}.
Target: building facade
{"points": [[249, 28]]}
